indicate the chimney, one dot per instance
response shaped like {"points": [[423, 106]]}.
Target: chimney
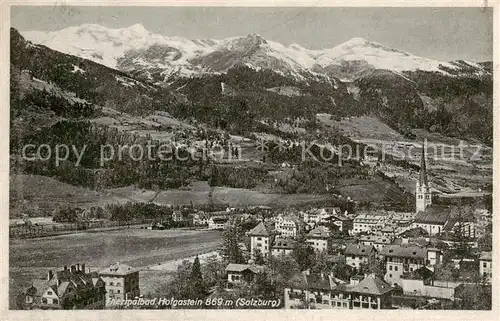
{"points": [[72, 269], [83, 267], [49, 275], [65, 268]]}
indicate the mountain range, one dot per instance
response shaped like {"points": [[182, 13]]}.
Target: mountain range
{"points": [[90, 85], [160, 58]]}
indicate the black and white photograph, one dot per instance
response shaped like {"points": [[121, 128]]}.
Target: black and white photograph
{"points": [[278, 158]]}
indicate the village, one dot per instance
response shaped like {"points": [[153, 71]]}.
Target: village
{"points": [[434, 257]]}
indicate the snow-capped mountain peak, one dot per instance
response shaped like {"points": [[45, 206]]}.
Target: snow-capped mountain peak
{"points": [[136, 49]]}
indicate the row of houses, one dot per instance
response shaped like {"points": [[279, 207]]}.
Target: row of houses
{"points": [[76, 287]]}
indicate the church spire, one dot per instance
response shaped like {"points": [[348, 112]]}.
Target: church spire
{"points": [[423, 168]]}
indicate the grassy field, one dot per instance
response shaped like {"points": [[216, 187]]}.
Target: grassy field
{"points": [[140, 248], [451, 173]]}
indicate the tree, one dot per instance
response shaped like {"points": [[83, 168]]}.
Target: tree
{"points": [[473, 297], [485, 242], [230, 251], [176, 286], [463, 249], [343, 271], [258, 258], [320, 263], [304, 255], [213, 271], [398, 290], [262, 287], [195, 288], [282, 270]]}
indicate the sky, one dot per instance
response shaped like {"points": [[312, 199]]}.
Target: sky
{"points": [[439, 33]]}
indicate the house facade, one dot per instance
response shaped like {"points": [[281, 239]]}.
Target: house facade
{"points": [[241, 273], [486, 266], [286, 226], [218, 223], [318, 238], [282, 246], [259, 240], [326, 292], [368, 223], [358, 254], [122, 282], [69, 288], [402, 259]]}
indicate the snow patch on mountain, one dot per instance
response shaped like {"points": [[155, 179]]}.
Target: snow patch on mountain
{"points": [[154, 56]]}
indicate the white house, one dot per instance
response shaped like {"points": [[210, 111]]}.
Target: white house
{"points": [[402, 259], [239, 273], [218, 223], [485, 265], [282, 246], [259, 240], [318, 238], [368, 223], [357, 254], [286, 226]]}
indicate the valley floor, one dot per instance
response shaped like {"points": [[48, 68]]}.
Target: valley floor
{"points": [[156, 253]]}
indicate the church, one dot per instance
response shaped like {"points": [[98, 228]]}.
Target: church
{"points": [[432, 218], [423, 195]]}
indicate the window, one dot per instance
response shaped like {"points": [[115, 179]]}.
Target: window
{"points": [[110, 291], [55, 301], [118, 284], [259, 238], [484, 264], [49, 292], [390, 267], [118, 291], [44, 300], [390, 275], [110, 283], [395, 268]]}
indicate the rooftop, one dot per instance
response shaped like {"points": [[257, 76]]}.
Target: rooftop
{"points": [[283, 243], [485, 256], [358, 249], [233, 267], [117, 269], [434, 214], [319, 232], [259, 230], [406, 251], [371, 285]]}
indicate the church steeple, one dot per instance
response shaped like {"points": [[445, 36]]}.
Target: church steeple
{"points": [[423, 167], [423, 195]]}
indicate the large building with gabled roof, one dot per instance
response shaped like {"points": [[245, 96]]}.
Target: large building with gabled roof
{"points": [[324, 291], [68, 289], [122, 282], [434, 219], [259, 240]]}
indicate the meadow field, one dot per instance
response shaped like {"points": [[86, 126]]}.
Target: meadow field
{"points": [[140, 248]]}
